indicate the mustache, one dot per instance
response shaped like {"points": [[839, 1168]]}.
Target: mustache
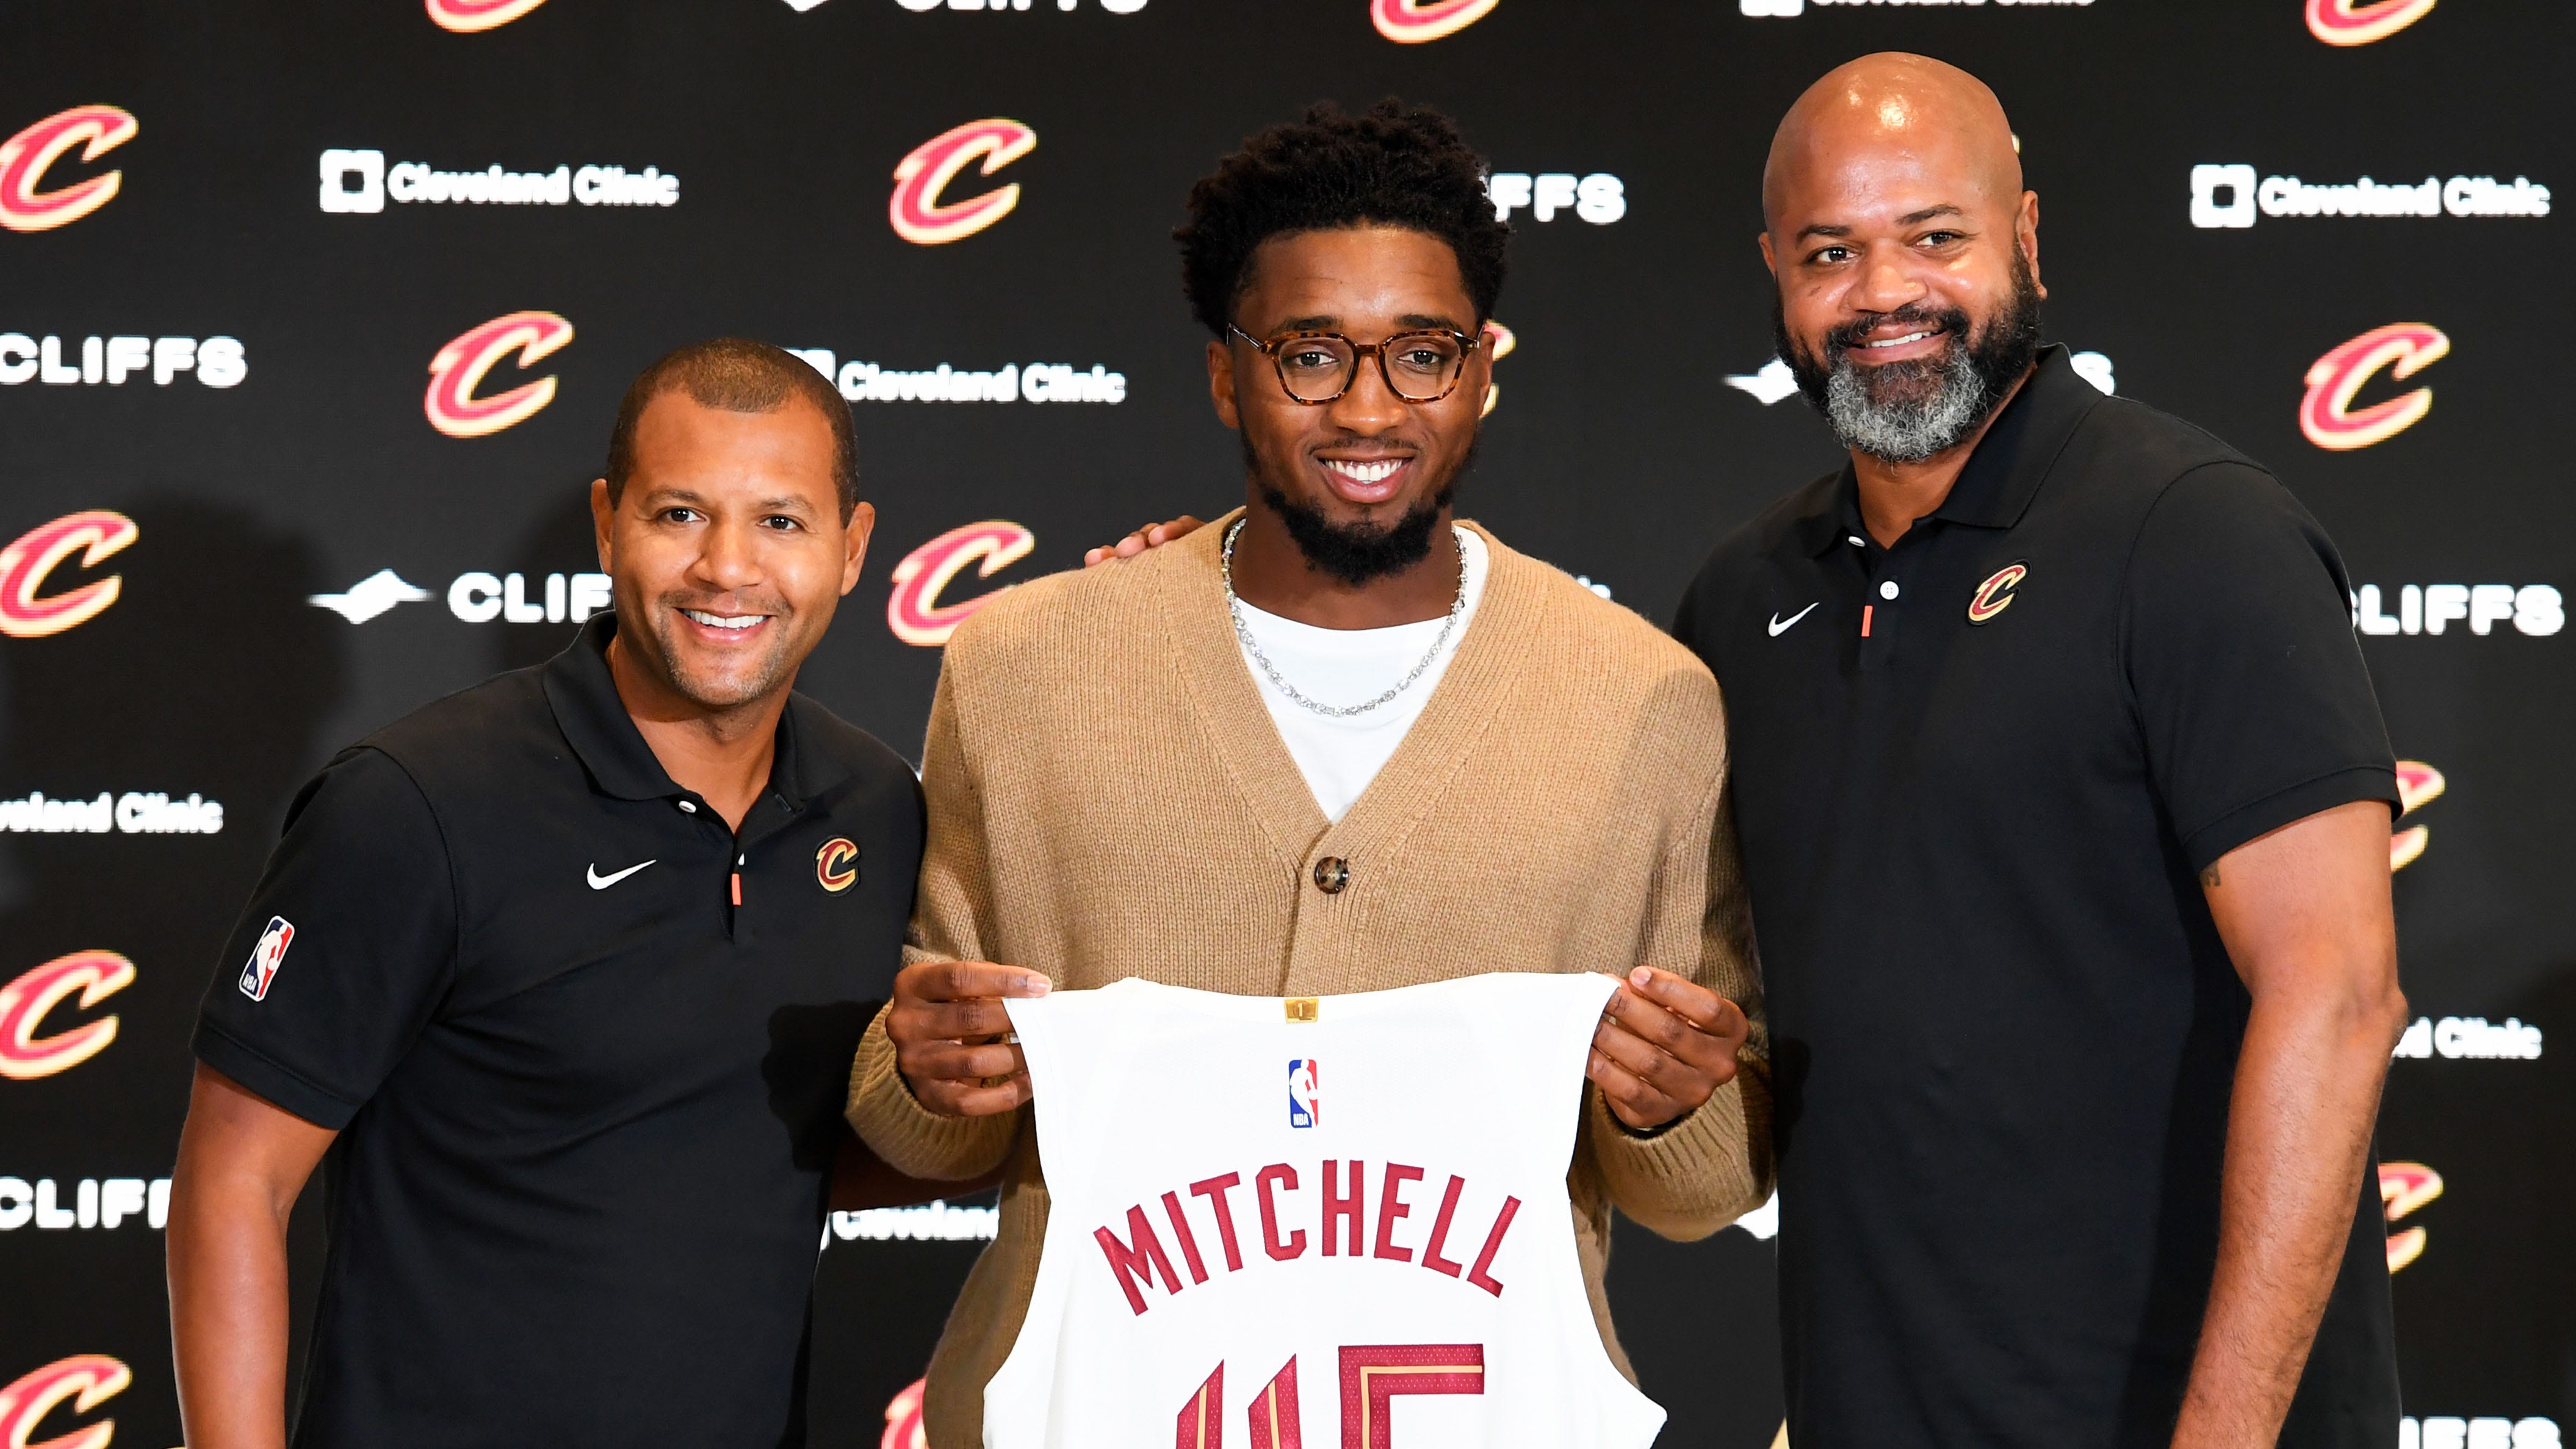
{"points": [[1842, 339]]}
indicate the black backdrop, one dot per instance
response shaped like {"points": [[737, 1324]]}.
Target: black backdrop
{"points": [[300, 459]]}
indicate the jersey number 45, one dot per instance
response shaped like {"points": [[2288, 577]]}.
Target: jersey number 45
{"points": [[1372, 1375]]}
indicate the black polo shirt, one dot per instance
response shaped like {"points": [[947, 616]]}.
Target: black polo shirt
{"points": [[588, 1091], [1975, 776]]}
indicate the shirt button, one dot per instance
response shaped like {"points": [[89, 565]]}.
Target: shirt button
{"points": [[1856, 541], [689, 806], [1887, 590], [1331, 874]]}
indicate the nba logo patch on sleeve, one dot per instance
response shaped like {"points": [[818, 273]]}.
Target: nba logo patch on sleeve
{"points": [[1301, 1092], [265, 957]]}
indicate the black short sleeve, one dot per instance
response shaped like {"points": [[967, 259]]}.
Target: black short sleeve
{"points": [[2255, 705], [346, 948]]}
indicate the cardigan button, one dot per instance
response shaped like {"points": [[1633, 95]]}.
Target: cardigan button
{"points": [[1331, 874]]}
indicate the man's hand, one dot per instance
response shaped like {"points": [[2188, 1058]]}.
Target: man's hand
{"points": [[950, 1035], [1152, 535], [1664, 1044]]}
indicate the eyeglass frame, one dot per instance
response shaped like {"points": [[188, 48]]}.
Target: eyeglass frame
{"points": [[1360, 352]]}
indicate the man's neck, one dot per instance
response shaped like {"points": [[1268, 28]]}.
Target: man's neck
{"points": [[1272, 575], [1894, 495], [723, 755]]}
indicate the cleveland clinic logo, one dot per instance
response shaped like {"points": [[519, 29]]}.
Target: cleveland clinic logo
{"points": [[1781, 9], [358, 182], [454, 404], [25, 204], [2232, 197]]}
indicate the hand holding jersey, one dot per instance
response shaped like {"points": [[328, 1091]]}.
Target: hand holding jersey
{"points": [[1664, 1044]]}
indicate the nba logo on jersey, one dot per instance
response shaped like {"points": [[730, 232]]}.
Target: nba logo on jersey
{"points": [[1301, 1092], [265, 957]]}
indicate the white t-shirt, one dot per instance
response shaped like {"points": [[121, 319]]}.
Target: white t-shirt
{"points": [[1340, 754]]}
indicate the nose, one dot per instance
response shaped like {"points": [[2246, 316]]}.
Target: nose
{"points": [[731, 558], [1886, 282], [1368, 406]]}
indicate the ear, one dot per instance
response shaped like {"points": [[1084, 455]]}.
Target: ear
{"points": [[863, 522], [603, 524], [1220, 364], [1768, 259], [2026, 234]]}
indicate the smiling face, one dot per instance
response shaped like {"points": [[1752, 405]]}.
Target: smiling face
{"points": [[1359, 482], [726, 550], [1906, 253]]}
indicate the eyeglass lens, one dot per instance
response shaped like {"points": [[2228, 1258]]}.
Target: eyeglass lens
{"points": [[1420, 367]]}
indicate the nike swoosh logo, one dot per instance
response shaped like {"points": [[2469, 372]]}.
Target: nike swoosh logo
{"points": [[1780, 626], [600, 882]]}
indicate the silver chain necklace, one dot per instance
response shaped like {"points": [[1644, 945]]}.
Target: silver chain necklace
{"points": [[1243, 632]]}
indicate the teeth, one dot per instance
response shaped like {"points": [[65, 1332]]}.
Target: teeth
{"points": [[1366, 472], [721, 621], [1899, 341]]}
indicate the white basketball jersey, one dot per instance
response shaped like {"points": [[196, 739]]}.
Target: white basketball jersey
{"points": [[1335, 1223]]}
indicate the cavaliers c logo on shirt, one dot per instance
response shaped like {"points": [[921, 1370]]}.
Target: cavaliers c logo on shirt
{"points": [[1997, 593], [836, 865]]}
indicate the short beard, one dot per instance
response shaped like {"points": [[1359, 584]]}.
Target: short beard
{"points": [[1905, 412], [716, 696], [1358, 553]]}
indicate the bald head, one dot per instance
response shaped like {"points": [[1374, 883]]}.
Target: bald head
{"points": [[1887, 116]]}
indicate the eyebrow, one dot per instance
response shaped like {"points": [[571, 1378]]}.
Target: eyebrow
{"points": [[1326, 322], [1911, 218], [668, 495]]}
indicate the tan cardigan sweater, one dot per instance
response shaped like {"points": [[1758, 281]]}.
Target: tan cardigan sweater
{"points": [[1108, 797]]}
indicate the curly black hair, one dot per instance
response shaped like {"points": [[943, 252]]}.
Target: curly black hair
{"points": [[1393, 165]]}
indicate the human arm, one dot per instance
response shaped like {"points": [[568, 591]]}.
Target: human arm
{"points": [[2305, 915], [242, 1163], [1689, 1174], [919, 1096]]}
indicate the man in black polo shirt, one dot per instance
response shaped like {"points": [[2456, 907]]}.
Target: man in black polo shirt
{"points": [[562, 975], [2061, 790]]}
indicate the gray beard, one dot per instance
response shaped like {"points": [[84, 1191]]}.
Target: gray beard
{"points": [[1891, 418]]}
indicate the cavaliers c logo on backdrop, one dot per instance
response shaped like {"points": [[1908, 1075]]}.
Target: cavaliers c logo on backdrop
{"points": [[2359, 22], [471, 15], [914, 612], [26, 613], [2417, 783], [2327, 415], [1408, 22], [25, 1056], [459, 367], [2404, 1187], [919, 216], [25, 157], [87, 1379]]}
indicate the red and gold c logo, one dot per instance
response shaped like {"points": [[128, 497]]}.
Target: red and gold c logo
{"points": [[1411, 22], [914, 612], [459, 367], [25, 157], [1997, 593], [2417, 783], [2326, 414], [836, 865], [919, 215], [2359, 22], [84, 1378], [472, 15], [25, 1056], [24, 565], [903, 1428], [2404, 1187]]}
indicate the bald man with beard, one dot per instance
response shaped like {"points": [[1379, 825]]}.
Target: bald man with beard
{"points": [[2064, 803]]}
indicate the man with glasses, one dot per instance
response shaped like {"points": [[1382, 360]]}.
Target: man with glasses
{"points": [[1335, 742]]}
